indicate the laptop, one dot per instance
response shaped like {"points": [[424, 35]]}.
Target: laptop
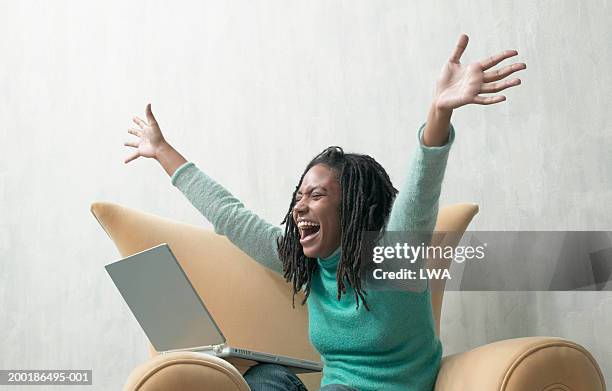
{"points": [[172, 314]]}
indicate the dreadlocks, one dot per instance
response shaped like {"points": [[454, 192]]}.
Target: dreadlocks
{"points": [[366, 202]]}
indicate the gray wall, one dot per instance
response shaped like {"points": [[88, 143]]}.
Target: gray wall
{"points": [[250, 91]]}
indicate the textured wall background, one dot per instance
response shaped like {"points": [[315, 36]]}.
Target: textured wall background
{"points": [[250, 91]]}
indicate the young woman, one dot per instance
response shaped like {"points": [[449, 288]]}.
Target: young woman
{"points": [[368, 339]]}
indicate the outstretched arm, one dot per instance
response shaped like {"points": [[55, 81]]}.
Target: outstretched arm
{"points": [[229, 217], [416, 206]]}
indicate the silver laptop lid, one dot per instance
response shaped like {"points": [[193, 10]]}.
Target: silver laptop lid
{"points": [[162, 299]]}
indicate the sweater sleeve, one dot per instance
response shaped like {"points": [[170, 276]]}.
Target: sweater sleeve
{"points": [[415, 210], [229, 217], [416, 205]]}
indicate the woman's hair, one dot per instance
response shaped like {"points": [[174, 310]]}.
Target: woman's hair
{"points": [[367, 196]]}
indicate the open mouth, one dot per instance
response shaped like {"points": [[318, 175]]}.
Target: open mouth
{"points": [[309, 230]]}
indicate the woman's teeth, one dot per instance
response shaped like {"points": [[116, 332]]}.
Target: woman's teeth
{"points": [[308, 228], [307, 224]]}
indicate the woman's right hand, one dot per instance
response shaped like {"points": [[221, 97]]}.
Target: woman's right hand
{"points": [[150, 138]]}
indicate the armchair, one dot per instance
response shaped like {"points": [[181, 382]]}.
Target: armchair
{"points": [[518, 364]]}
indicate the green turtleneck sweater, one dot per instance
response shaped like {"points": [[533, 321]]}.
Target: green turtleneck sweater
{"points": [[391, 347]]}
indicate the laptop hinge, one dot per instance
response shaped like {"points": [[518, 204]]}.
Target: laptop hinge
{"points": [[218, 348], [214, 348]]}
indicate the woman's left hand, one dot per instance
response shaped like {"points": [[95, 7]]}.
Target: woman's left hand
{"points": [[461, 84]]}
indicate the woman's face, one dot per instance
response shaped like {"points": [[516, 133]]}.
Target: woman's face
{"points": [[317, 212]]}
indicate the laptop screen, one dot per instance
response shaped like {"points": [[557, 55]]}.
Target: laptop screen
{"points": [[164, 302]]}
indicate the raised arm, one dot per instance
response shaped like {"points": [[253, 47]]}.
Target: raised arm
{"points": [[253, 235], [416, 206]]}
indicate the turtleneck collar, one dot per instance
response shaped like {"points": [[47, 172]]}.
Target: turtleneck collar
{"points": [[331, 262]]}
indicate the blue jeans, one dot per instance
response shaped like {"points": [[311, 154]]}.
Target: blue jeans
{"points": [[274, 377]]}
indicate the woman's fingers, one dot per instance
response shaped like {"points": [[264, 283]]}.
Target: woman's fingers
{"points": [[500, 73], [494, 60], [499, 86], [459, 49], [139, 133], [131, 157], [488, 100], [150, 116], [140, 122]]}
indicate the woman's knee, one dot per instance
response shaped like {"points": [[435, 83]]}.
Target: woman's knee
{"points": [[272, 377]]}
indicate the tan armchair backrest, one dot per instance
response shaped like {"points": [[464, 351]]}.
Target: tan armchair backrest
{"points": [[452, 222]]}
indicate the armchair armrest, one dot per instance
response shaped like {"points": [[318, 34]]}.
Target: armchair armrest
{"points": [[531, 363], [185, 371]]}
